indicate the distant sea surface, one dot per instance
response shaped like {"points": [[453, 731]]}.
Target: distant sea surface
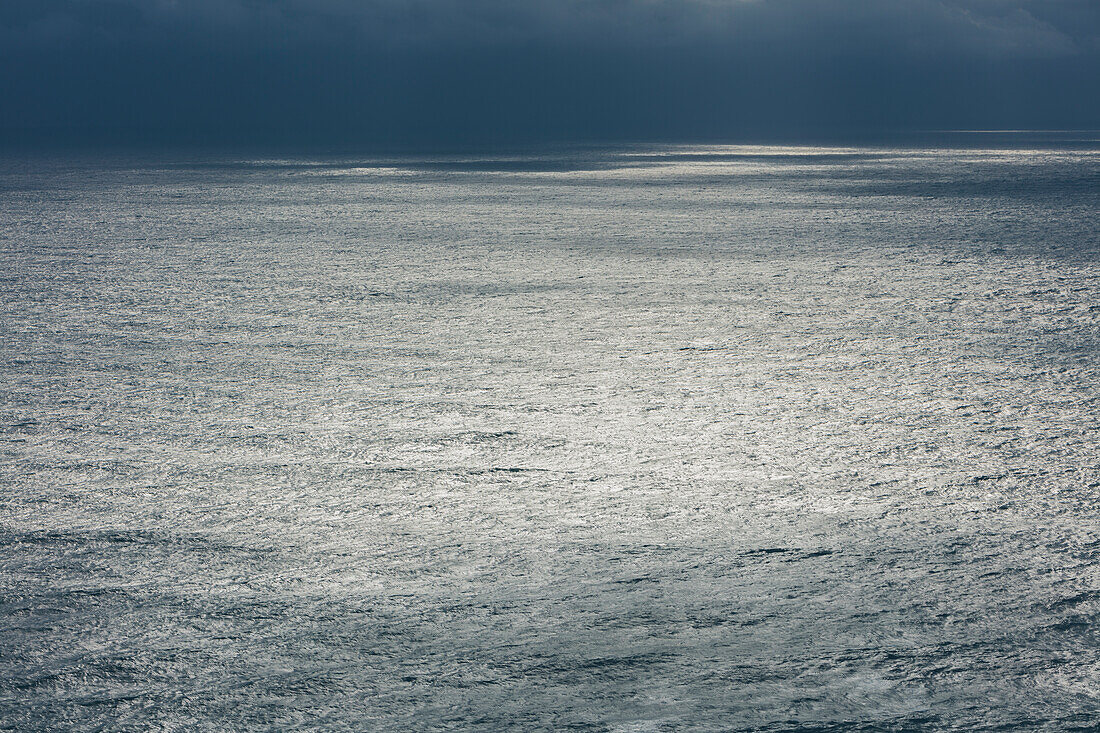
{"points": [[599, 439]]}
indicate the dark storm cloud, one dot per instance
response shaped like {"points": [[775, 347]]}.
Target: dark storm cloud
{"points": [[1038, 27], [367, 70]]}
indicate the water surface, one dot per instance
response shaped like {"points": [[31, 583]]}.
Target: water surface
{"points": [[635, 439]]}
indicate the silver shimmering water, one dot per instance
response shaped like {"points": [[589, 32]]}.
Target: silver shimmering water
{"points": [[643, 439]]}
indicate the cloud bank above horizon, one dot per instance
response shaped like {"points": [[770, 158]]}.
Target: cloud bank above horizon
{"points": [[449, 70]]}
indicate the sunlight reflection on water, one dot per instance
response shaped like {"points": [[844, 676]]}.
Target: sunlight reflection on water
{"points": [[721, 438]]}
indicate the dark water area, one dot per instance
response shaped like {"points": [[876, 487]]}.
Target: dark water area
{"points": [[645, 438]]}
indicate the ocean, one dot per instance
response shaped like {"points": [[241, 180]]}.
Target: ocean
{"points": [[629, 438]]}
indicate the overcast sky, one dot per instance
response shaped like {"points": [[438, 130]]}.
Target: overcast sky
{"points": [[443, 71]]}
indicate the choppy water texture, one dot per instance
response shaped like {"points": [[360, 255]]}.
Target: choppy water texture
{"points": [[632, 440]]}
